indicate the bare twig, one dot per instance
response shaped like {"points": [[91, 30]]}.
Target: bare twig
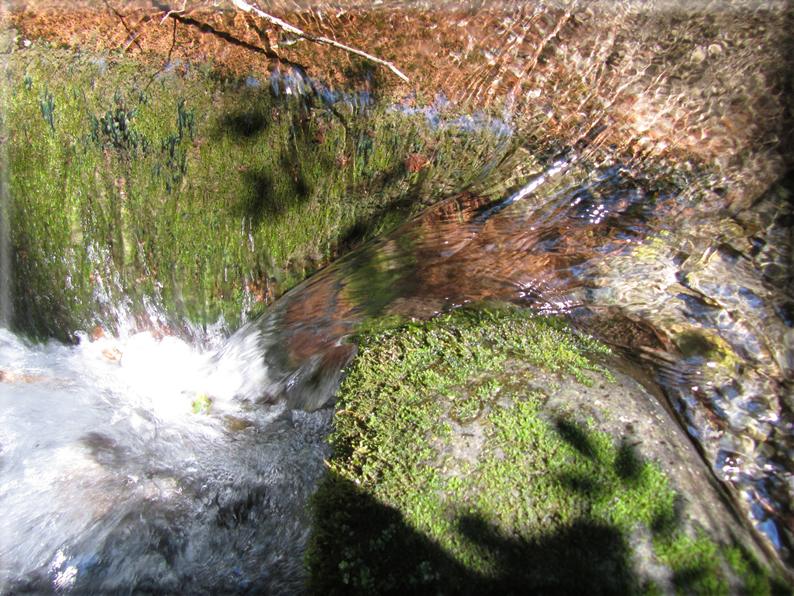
{"points": [[170, 12], [173, 43], [323, 40], [133, 35], [167, 60]]}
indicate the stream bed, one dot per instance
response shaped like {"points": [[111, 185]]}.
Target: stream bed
{"points": [[168, 381]]}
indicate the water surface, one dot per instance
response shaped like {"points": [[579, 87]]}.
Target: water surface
{"points": [[625, 167]]}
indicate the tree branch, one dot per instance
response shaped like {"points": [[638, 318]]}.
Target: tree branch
{"points": [[323, 40], [132, 38], [170, 12]]}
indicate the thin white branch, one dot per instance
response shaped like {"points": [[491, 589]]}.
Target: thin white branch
{"points": [[170, 12], [324, 40]]}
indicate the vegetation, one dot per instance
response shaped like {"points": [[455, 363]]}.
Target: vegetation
{"points": [[450, 477], [201, 404], [209, 196]]}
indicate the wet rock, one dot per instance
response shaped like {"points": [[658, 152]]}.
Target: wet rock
{"points": [[499, 444], [704, 289]]}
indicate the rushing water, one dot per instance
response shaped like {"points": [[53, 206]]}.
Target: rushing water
{"points": [[115, 478], [181, 462], [567, 243]]}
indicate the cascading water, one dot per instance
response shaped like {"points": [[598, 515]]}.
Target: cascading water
{"points": [[163, 464], [6, 301], [179, 459], [116, 476]]}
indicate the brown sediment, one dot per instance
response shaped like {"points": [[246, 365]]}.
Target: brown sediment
{"points": [[710, 85]]}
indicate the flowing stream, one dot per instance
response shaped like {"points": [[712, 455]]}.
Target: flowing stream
{"points": [[180, 460], [184, 465]]}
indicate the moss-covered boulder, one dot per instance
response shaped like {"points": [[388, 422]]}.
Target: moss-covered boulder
{"points": [[493, 452]]}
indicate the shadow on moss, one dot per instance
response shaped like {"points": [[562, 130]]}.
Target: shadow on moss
{"points": [[546, 503], [244, 124], [370, 549], [362, 546], [576, 437]]}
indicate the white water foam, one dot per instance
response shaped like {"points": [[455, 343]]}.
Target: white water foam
{"points": [[137, 463]]}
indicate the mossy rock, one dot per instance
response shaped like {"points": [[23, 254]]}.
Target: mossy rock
{"points": [[492, 452], [206, 195]]}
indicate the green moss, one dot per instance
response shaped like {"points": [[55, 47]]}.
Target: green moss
{"points": [[449, 476], [756, 578], [202, 404], [202, 193]]}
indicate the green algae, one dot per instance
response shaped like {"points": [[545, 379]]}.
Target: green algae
{"points": [[448, 477], [209, 195], [201, 404]]}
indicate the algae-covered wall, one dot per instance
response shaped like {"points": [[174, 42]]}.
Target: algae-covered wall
{"points": [[170, 111]]}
